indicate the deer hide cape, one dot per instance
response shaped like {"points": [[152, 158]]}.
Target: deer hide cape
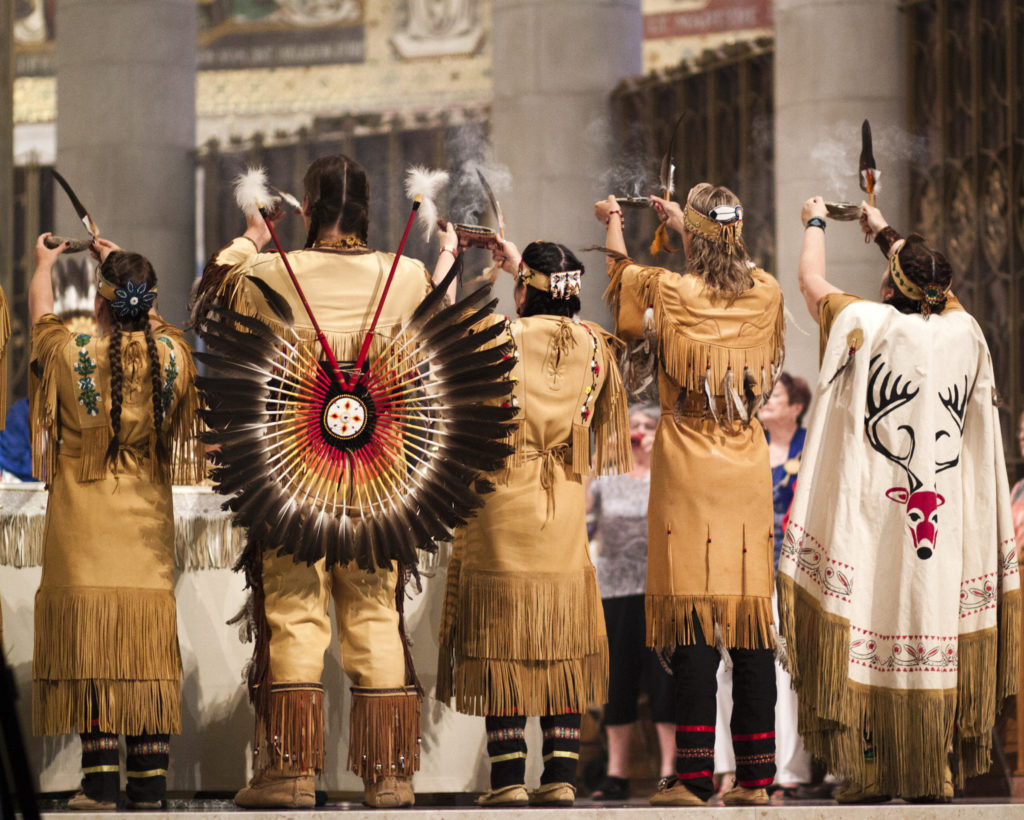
{"points": [[898, 583]]}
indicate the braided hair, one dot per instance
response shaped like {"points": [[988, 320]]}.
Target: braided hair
{"points": [[120, 268], [926, 268], [338, 193], [550, 257]]}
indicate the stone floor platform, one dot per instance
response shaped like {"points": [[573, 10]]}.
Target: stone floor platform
{"points": [[461, 808]]}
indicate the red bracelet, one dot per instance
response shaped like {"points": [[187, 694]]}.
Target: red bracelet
{"points": [[622, 219]]}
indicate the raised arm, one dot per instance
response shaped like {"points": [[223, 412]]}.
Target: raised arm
{"points": [[40, 289], [507, 256], [811, 270], [446, 257], [609, 213]]}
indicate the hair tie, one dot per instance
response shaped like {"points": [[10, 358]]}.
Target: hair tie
{"points": [[930, 295], [560, 284], [128, 301]]}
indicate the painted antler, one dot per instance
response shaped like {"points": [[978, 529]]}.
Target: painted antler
{"points": [[956, 404], [891, 395]]}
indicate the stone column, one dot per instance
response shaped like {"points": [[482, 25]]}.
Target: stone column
{"points": [[555, 64], [836, 63], [126, 114]]}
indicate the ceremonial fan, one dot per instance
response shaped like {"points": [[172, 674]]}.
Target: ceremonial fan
{"points": [[364, 462]]}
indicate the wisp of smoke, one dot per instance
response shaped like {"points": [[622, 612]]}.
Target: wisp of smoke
{"points": [[631, 171], [837, 156], [470, 153], [425, 182]]}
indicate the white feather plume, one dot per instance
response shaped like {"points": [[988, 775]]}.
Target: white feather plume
{"points": [[427, 183], [251, 191]]}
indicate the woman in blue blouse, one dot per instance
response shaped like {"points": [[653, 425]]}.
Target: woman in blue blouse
{"points": [[781, 416]]}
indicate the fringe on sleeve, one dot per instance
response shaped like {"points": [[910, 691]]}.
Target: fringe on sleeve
{"points": [[631, 290], [705, 366], [188, 455], [5, 336], [49, 336], [611, 416]]}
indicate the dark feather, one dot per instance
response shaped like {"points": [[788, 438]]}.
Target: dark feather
{"points": [[436, 297], [275, 300], [475, 392]]}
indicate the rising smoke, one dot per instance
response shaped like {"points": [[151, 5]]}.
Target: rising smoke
{"points": [[471, 152]]}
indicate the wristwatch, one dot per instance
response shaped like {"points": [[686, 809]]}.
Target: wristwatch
{"points": [[815, 222]]}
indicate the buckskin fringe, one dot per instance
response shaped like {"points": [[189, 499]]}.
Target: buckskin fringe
{"points": [[291, 739], [385, 732], [43, 413], [543, 616], [5, 336], [611, 418], [92, 461], [911, 730], [639, 302], [486, 686], [688, 361], [446, 632], [345, 345], [124, 707], [745, 621], [1009, 644], [188, 455], [105, 633], [977, 702]]}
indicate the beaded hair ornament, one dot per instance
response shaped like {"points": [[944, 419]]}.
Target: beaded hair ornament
{"points": [[129, 301], [560, 284], [723, 224], [929, 295]]}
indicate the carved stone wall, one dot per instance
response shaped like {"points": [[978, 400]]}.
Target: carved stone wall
{"points": [[966, 72]]}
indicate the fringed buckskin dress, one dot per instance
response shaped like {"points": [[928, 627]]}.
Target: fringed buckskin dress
{"points": [[710, 525], [105, 625], [523, 630]]}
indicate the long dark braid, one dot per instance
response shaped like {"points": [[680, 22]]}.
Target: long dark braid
{"points": [[158, 395], [119, 268], [338, 193], [116, 391]]}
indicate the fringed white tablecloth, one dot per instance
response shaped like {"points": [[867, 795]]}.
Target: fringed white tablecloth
{"points": [[203, 535]]}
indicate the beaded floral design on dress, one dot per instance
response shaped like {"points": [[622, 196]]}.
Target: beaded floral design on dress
{"points": [[595, 373], [88, 397], [170, 375]]}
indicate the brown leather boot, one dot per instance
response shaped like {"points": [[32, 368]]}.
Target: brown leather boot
{"points": [[389, 792], [273, 789]]}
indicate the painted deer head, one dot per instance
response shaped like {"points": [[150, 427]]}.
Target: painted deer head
{"points": [[886, 393]]}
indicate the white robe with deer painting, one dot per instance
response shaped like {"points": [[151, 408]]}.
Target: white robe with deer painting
{"points": [[899, 566]]}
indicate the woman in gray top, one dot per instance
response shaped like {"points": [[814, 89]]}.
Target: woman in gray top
{"points": [[619, 505]]}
